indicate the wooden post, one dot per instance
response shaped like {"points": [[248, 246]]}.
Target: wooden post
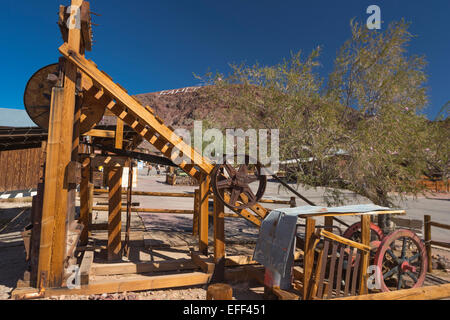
{"points": [[129, 203], [309, 255], [219, 240], [84, 200], [115, 213], [293, 203], [203, 216], [427, 231], [54, 214], [195, 218], [329, 224], [118, 142], [365, 239], [219, 291]]}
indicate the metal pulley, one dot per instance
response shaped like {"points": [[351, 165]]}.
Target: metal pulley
{"points": [[235, 185]]}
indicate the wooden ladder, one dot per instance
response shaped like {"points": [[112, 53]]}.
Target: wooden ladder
{"points": [[147, 124]]}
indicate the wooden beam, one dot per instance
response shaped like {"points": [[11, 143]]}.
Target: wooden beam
{"points": [[84, 199], [437, 292], [106, 269], [427, 231], [51, 191], [309, 254], [203, 215], [204, 262], [219, 239], [196, 218], [118, 143], [136, 283], [365, 240], [115, 213], [100, 133], [86, 266]]}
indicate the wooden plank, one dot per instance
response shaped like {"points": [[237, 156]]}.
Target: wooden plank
{"points": [[84, 200], [440, 244], [143, 267], [196, 218], [114, 213], [203, 214], [100, 133], [136, 283], [424, 293], [440, 225], [427, 228], [365, 240], [309, 254], [205, 263], [219, 239], [50, 192], [85, 267], [337, 214], [153, 194], [343, 240], [149, 210], [118, 142]]}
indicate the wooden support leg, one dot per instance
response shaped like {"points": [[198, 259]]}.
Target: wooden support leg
{"points": [[427, 231], [219, 240], [196, 213], [329, 224], [365, 239], [203, 216], [84, 200], [54, 211], [309, 255], [115, 213]]}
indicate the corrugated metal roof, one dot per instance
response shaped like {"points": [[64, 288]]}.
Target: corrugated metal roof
{"points": [[15, 118]]}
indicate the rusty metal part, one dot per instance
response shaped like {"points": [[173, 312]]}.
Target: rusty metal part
{"points": [[402, 259], [354, 233], [236, 182], [38, 93]]}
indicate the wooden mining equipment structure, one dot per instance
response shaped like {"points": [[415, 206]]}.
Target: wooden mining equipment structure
{"points": [[78, 95]]}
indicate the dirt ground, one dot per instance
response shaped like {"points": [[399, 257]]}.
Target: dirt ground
{"points": [[157, 231]]}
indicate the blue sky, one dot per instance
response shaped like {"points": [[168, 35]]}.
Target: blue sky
{"points": [[155, 45]]}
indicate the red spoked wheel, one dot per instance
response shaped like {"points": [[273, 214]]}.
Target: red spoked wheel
{"points": [[402, 259], [354, 233]]}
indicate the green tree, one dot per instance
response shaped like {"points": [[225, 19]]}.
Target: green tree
{"points": [[362, 132]]}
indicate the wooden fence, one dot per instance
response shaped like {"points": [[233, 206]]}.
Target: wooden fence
{"points": [[20, 169], [429, 242]]}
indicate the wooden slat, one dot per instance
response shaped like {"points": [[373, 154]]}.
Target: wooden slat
{"points": [[340, 271], [343, 240], [355, 273], [348, 271], [323, 268], [332, 269]]}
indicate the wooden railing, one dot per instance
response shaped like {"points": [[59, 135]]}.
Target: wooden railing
{"points": [[291, 202], [429, 242]]}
